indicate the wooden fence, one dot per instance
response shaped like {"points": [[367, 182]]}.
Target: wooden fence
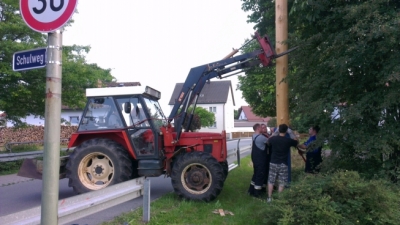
{"points": [[236, 135]]}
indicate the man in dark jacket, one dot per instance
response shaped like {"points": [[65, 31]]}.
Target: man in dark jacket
{"points": [[259, 159], [278, 167], [268, 159]]}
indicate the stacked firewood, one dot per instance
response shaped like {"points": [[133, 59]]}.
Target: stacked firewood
{"points": [[31, 134]]}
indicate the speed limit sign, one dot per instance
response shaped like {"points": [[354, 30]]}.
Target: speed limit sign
{"points": [[47, 15]]}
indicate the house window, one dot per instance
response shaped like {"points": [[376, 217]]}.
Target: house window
{"points": [[74, 120], [213, 109], [214, 125]]}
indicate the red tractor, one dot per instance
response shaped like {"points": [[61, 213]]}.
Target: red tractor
{"points": [[123, 134]]}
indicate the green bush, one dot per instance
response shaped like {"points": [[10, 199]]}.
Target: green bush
{"points": [[26, 148], [367, 167], [272, 122], [339, 198], [10, 167]]}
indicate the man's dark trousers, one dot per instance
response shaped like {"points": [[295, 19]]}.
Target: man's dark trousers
{"points": [[259, 158]]}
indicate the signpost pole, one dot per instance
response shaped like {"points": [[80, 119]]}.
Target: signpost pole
{"points": [[50, 18], [51, 154]]}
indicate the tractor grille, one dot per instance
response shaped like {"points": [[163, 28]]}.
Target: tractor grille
{"points": [[208, 148]]}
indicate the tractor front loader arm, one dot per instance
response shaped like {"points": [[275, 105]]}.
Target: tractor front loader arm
{"points": [[198, 76]]}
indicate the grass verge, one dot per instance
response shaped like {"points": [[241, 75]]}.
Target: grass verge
{"points": [[169, 209], [7, 168], [23, 148]]}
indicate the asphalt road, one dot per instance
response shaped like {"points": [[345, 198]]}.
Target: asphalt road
{"points": [[27, 194]]}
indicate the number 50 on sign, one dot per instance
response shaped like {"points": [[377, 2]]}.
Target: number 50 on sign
{"points": [[47, 15]]}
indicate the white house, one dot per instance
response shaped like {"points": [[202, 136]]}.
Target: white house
{"points": [[68, 115], [247, 119], [216, 97]]}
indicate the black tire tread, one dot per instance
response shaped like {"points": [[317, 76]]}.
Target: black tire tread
{"points": [[225, 168], [122, 163], [211, 163]]}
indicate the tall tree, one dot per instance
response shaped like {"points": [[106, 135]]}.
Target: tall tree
{"points": [[258, 86], [347, 65], [27, 88], [235, 114]]}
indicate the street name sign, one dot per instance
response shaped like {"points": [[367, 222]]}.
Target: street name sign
{"points": [[47, 15], [29, 59]]}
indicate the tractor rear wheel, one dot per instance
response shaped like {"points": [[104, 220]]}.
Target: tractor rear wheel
{"points": [[96, 164], [197, 176]]}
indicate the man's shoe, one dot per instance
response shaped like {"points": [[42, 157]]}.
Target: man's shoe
{"points": [[269, 200], [250, 191], [264, 191], [257, 193]]}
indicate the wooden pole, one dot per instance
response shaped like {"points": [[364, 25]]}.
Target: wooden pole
{"points": [[282, 100], [282, 90]]}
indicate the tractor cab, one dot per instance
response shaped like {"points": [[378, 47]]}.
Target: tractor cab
{"points": [[131, 112]]}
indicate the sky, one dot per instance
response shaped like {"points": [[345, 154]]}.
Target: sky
{"points": [[157, 42]]}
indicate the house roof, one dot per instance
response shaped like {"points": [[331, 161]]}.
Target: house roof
{"points": [[213, 92], [251, 117]]}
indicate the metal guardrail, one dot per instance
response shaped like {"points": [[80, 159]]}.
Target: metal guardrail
{"points": [[8, 157], [17, 156], [73, 208], [236, 152]]}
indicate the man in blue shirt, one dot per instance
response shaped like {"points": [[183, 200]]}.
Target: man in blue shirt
{"points": [[314, 153]]}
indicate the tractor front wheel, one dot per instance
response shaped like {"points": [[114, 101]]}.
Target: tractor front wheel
{"points": [[96, 164], [197, 176]]}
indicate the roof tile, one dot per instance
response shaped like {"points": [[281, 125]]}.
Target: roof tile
{"points": [[213, 92]]}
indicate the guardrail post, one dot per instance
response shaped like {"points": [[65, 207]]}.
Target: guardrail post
{"points": [[238, 153], [146, 200], [7, 146]]}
